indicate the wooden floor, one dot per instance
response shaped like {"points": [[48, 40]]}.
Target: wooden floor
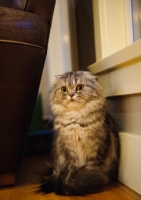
{"points": [[27, 182]]}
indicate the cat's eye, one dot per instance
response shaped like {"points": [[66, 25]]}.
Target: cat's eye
{"points": [[64, 89], [79, 87]]}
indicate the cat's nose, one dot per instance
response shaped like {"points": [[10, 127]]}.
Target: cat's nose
{"points": [[71, 94]]}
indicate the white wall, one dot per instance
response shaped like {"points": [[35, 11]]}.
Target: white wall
{"points": [[59, 56]]}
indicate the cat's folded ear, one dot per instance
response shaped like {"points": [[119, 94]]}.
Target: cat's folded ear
{"points": [[94, 76]]}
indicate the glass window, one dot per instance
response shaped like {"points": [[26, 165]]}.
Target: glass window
{"points": [[136, 17]]}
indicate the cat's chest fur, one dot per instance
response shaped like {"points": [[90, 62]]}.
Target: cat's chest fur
{"points": [[77, 146], [75, 138], [76, 143]]}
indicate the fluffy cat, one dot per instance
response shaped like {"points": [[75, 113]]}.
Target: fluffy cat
{"points": [[85, 149]]}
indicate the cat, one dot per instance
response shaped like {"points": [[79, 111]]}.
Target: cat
{"points": [[86, 147]]}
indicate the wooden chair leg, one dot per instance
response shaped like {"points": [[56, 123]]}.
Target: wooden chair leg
{"points": [[7, 179]]}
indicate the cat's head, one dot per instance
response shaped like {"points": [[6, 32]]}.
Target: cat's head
{"points": [[73, 90]]}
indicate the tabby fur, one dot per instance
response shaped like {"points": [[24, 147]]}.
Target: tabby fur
{"points": [[85, 148]]}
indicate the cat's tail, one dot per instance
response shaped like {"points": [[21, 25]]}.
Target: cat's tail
{"points": [[78, 181], [81, 182], [48, 179]]}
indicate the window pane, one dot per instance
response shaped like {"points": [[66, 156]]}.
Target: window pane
{"points": [[136, 13]]}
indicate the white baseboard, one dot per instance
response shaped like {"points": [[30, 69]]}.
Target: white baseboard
{"points": [[130, 161]]}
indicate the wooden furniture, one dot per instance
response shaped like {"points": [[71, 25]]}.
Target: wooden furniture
{"points": [[24, 32]]}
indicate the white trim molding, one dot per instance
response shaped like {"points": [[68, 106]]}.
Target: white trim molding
{"points": [[130, 172], [120, 73]]}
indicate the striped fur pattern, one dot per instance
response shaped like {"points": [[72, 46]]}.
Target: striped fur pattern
{"points": [[86, 144]]}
